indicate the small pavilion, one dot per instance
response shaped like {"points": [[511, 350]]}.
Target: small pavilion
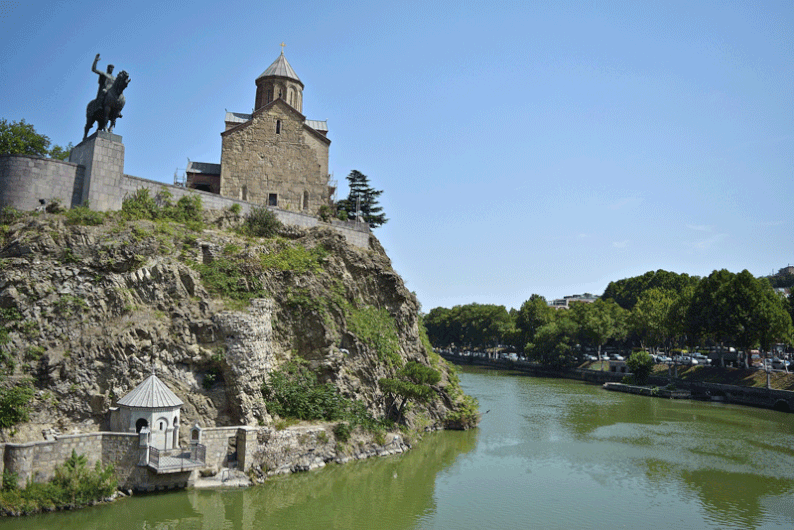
{"points": [[150, 406]]}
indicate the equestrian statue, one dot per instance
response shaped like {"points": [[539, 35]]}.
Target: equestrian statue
{"points": [[109, 99]]}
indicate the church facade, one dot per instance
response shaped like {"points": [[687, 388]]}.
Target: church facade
{"points": [[273, 156]]}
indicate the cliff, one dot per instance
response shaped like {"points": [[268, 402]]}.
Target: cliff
{"points": [[89, 311]]}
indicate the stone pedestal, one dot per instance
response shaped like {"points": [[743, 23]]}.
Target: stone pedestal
{"points": [[102, 156]]}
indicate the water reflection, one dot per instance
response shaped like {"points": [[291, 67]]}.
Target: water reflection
{"points": [[698, 464]]}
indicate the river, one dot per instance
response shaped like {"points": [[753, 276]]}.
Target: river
{"points": [[549, 453]]}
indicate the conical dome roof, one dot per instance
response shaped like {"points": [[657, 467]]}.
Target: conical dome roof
{"points": [[151, 394], [280, 68]]}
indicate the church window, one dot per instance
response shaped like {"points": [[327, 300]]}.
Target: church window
{"points": [[272, 199], [244, 193], [161, 426], [278, 126], [305, 200]]}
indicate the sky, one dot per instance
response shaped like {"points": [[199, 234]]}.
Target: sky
{"points": [[522, 147]]}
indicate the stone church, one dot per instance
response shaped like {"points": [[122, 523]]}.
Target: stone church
{"points": [[274, 156]]}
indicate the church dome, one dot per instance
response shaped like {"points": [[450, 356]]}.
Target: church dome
{"points": [[279, 81], [280, 68]]}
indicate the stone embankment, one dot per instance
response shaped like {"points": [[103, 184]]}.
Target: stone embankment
{"points": [[781, 400]]}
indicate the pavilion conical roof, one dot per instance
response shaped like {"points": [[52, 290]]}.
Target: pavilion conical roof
{"points": [[151, 394], [280, 68]]}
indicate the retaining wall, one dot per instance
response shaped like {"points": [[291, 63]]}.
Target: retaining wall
{"points": [[37, 460], [25, 179], [96, 176]]}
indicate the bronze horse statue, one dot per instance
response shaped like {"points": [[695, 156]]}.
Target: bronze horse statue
{"points": [[109, 108]]}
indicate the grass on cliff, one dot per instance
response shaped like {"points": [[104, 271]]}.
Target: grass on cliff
{"points": [[377, 329], [74, 485], [141, 205]]}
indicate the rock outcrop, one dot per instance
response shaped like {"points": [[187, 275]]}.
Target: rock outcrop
{"points": [[89, 311]]}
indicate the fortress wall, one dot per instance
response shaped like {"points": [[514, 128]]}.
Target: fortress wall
{"points": [[24, 179], [37, 460]]}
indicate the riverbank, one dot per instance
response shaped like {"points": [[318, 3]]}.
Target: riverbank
{"points": [[731, 385]]}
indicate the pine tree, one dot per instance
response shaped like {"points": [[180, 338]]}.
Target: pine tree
{"points": [[364, 198]]}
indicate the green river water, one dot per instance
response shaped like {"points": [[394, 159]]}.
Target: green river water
{"points": [[551, 453]]}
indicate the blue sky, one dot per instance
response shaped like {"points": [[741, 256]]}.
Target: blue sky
{"points": [[523, 147]]}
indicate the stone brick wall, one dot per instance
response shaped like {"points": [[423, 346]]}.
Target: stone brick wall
{"points": [[221, 444], [102, 155], [37, 460], [25, 179], [275, 153]]}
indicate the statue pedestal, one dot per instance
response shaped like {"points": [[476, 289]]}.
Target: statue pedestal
{"points": [[102, 156]]}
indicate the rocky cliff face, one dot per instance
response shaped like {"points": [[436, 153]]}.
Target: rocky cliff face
{"points": [[89, 311]]}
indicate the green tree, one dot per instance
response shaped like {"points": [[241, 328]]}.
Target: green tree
{"points": [[533, 314], [555, 342], [364, 198], [649, 318], [413, 381], [641, 364], [22, 139], [626, 292], [600, 322]]}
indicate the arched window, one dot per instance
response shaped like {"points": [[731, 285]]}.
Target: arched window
{"points": [[305, 200], [278, 126], [140, 424]]}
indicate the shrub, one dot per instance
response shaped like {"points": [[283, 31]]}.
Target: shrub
{"points": [[293, 391], [325, 213], [14, 404], [9, 214], [141, 205], [74, 485], [342, 432], [231, 278], [235, 209], [83, 215], [641, 364], [261, 222]]}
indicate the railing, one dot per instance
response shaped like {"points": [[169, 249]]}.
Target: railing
{"points": [[162, 461], [154, 457], [198, 453]]}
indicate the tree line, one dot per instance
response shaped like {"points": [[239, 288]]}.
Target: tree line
{"points": [[657, 310]]}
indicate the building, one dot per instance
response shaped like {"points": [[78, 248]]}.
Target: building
{"points": [[566, 301], [150, 407], [273, 156]]}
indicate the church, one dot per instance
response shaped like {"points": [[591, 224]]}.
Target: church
{"points": [[274, 156]]}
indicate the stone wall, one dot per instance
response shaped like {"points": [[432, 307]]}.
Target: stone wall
{"points": [[37, 460], [221, 444], [25, 179]]}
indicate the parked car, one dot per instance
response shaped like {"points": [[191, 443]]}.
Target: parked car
{"points": [[663, 359], [702, 359], [590, 358], [616, 357], [780, 364]]}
